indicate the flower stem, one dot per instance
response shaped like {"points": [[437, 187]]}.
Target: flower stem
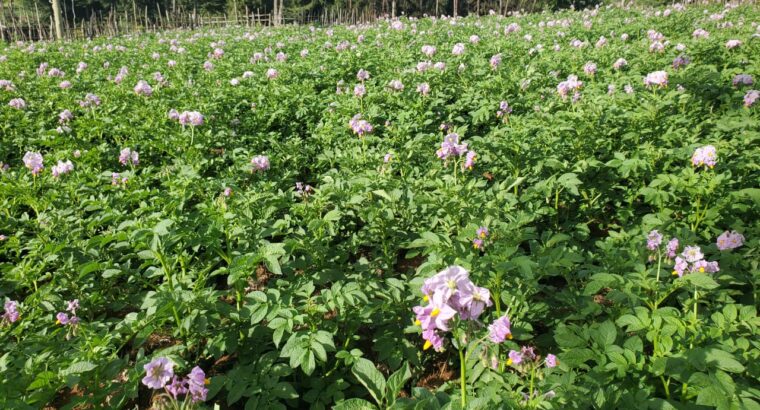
{"points": [[696, 303], [532, 379], [462, 374]]}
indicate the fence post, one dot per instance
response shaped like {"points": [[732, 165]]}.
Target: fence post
{"points": [[57, 19]]}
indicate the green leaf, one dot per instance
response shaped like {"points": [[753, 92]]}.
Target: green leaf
{"points": [[722, 360], [396, 382], [607, 333], [701, 280], [43, 379], [284, 390], [308, 363], [78, 367], [354, 404], [332, 216], [570, 182], [566, 338], [162, 228], [634, 323], [258, 313], [711, 396], [577, 357], [365, 371]]}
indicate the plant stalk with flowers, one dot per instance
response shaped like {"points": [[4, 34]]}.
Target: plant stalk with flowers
{"points": [[159, 375], [454, 305]]}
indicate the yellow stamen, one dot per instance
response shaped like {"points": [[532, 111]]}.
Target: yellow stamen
{"points": [[206, 381], [702, 270], [509, 362], [675, 273], [425, 298], [427, 345], [509, 336], [417, 322], [57, 322], [435, 312]]}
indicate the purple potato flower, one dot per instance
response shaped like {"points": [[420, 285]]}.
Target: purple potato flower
{"points": [[158, 373]]}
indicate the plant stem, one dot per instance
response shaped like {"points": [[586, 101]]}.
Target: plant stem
{"points": [[666, 385], [696, 298], [462, 374], [657, 284], [532, 379], [659, 264]]}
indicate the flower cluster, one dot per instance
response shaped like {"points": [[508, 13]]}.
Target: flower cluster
{"points": [[362, 75], [396, 85], [63, 318], [495, 61], [680, 61], [480, 235], [7, 85], [449, 293], [590, 68], [730, 240], [700, 33], [33, 161], [469, 160], [423, 88], [706, 156], [458, 49], [742, 79], [360, 126], [656, 79], [527, 355], [450, 147], [730, 44], [17, 103], [751, 97], [428, 50], [159, 374], [303, 190], [127, 157], [11, 313], [143, 88], [117, 179], [359, 90], [571, 84], [62, 168], [192, 118], [90, 100], [671, 248], [692, 260], [504, 109], [654, 239], [65, 116], [500, 330], [259, 163]]}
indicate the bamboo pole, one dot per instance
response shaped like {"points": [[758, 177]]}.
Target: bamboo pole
{"points": [[39, 25], [2, 22], [57, 19]]}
